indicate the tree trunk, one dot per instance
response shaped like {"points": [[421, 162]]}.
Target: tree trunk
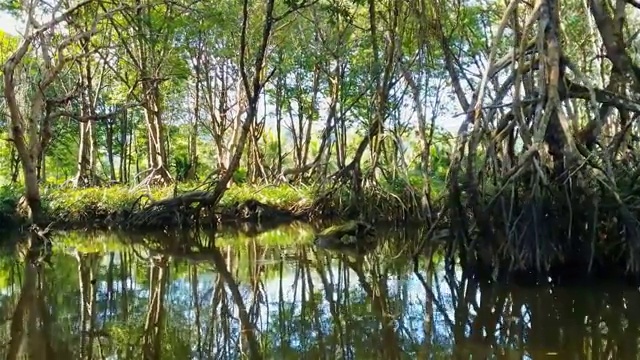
{"points": [[193, 150], [85, 175], [15, 165], [221, 125], [28, 151], [424, 139], [109, 140], [123, 148], [313, 112], [153, 117], [278, 111], [193, 130]]}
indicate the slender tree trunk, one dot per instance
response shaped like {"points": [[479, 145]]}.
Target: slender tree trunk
{"points": [[86, 175], [28, 152], [193, 131], [153, 118], [42, 168], [278, 111], [136, 151], [217, 107], [109, 144], [313, 111], [424, 139], [125, 142], [15, 165]]}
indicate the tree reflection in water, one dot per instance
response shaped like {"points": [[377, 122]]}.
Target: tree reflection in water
{"points": [[229, 295]]}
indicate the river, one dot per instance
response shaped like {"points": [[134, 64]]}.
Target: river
{"points": [[273, 295]]}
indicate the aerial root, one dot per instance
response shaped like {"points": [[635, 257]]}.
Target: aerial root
{"points": [[157, 177], [168, 212], [543, 229]]}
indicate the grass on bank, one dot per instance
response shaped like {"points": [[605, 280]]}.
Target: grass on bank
{"points": [[85, 204], [72, 205]]}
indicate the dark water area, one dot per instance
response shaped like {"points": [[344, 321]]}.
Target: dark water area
{"points": [[273, 295]]}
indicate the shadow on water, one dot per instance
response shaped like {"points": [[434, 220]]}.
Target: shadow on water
{"points": [[265, 295]]}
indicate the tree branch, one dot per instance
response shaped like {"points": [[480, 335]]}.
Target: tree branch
{"points": [[87, 118]]}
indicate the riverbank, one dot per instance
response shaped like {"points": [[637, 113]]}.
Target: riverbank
{"points": [[255, 209], [111, 207]]}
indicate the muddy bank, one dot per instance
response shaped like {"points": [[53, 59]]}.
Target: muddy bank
{"points": [[249, 211]]}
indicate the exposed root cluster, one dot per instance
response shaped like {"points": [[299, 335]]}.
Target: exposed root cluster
{"points": [[83, 181], [364, 198], [157, 177], [187, 210], [179, 211], [545, 192]]}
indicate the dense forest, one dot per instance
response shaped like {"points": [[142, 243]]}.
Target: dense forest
{"points": [[340, 100]]}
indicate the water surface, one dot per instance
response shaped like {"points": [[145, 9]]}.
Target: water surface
{"points": [[273, 295]]}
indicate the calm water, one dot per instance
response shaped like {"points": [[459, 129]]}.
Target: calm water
{"points": [[274, 296]]}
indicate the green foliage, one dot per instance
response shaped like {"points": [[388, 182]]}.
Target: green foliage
{"points": [[85, 204], [399, 184], [8, 44], [285, 196], [12, 7], [240, 176], [9, 196], [182, 165]]}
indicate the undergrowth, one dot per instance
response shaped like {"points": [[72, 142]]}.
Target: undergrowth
{"points": [[9, 196], [88, 206]]}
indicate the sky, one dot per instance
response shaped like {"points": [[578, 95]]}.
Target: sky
{"points": [[8, 24]]}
